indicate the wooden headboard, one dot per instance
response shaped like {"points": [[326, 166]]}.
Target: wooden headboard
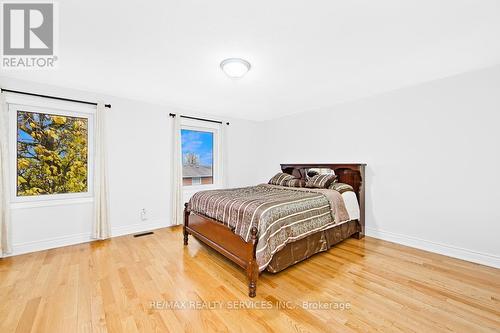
{"points": [[352, 174]]}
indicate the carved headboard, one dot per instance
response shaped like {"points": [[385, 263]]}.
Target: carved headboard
{"points": [[352, 174]]}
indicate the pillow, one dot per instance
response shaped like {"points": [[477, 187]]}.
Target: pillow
{"points": [[280, 178], [320, 181], [296, 182], [340, 187], [312, 173]]}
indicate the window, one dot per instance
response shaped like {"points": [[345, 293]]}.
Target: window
{"points": [[51, 150], [201, 155], [51, 154], [197, 157]]}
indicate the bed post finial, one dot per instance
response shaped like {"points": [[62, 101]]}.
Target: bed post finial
{"points": [[253, 233]]}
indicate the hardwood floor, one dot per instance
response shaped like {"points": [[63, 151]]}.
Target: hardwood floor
{"points": [[123, 285]]}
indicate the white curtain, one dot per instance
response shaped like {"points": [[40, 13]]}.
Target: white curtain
{"points": [[223, 154], [5, 237], [101, 228], [177, 197]]}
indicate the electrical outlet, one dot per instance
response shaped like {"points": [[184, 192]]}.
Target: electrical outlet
{"points": [[144, 214]]}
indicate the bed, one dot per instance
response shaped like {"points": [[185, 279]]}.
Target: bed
{"points": [[270, 227]]}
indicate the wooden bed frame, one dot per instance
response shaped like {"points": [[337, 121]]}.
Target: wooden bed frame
{"points": [[232, 246]]}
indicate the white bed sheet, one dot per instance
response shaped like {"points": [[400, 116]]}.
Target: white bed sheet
{"points": [[351, 204]]}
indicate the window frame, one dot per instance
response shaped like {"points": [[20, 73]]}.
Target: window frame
{"points": [[68, 109], [203, 126]]}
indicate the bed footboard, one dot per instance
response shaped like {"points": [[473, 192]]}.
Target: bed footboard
{"points": [[226, 242]]}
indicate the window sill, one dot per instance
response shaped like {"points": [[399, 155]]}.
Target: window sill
{"points": [[196, 188], [49, 203]]}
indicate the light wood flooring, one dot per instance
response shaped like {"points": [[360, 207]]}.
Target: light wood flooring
{"points": [[127, 284]]}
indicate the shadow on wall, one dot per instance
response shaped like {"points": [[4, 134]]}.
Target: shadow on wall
{"points": [[370, 220]]}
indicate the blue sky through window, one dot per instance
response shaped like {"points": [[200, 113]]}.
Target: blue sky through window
{"points": [[199, 143]]}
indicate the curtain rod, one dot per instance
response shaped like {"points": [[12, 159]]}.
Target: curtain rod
{"points": [[201, 119], [53, 97]]}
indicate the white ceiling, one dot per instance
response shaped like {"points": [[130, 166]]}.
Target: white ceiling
{"points": [[305, 55]]}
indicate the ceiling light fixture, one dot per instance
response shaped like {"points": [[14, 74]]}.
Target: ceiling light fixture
{"points": [[235, 67]]}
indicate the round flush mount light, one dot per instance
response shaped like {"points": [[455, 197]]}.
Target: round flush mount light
{"points": [[235, 67]]}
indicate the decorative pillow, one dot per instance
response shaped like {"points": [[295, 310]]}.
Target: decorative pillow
{"points": [[280, 178], [312, 173], [296, 182], [320, 181], [340, 187]]}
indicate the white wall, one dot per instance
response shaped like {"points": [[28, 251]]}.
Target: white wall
{"points": [[433, 155], [432, 152], [139, 147]]}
